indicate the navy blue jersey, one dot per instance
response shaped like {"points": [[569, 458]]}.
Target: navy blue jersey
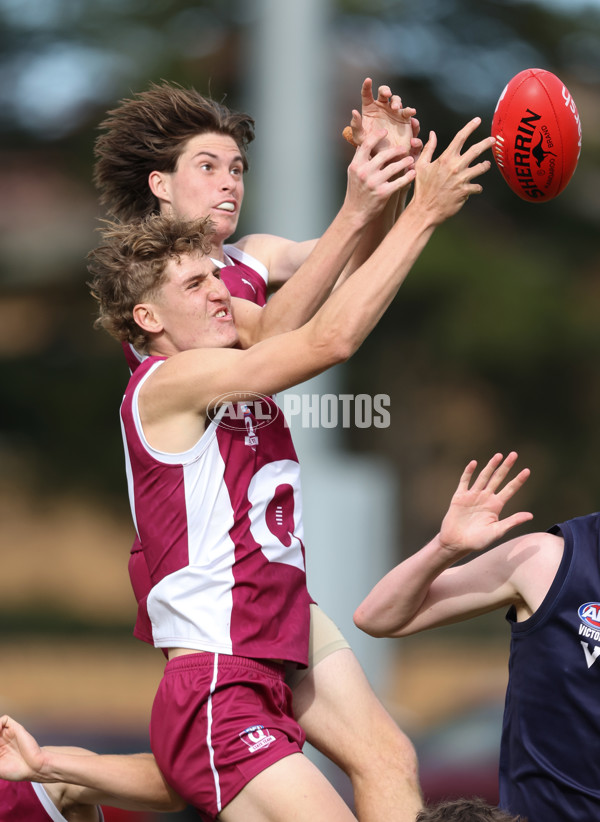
{"points": [[549, 758]]}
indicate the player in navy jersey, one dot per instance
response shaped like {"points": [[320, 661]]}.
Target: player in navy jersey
{"points": [[215, 494], [67, 784], [170, 150], [550, 583]]}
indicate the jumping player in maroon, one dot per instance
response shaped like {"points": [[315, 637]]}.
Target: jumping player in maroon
{"points": [[367, 194], [157, 287], [157, 154], [247, 279]]}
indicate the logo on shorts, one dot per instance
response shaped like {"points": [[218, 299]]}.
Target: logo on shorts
{"points": [[257, 737]]}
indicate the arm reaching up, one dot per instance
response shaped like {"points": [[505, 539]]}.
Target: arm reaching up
{"points": [[373, 177], [424, 591], [395, 128]]}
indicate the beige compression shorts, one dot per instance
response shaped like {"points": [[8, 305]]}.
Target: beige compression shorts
{"points": [[325, 638]]}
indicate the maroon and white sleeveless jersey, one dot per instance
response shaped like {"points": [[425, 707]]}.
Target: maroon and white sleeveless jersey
{"points": [[220, 528], [28, 802]]}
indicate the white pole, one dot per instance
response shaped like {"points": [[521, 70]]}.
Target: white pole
{"points": [[348, 501]]}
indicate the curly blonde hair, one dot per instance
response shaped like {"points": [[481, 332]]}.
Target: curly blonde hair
{"points": [[129, 267], [148, 133]]}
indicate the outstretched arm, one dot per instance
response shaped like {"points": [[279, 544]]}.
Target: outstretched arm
{"points": [[177, 398], [385, 116], [424, 591], [188, 383], [373, 177], [132, 782]]}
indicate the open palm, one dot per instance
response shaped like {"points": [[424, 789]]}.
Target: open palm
{"points": [[472, 521]]}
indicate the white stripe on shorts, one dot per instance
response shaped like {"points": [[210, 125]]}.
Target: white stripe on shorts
{"points": [[208, 732]]}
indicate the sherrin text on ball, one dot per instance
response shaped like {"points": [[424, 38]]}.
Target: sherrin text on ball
{"points": [[538, 135]]}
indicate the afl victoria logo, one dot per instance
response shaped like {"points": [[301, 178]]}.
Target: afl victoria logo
{"points": [[589, 614]]}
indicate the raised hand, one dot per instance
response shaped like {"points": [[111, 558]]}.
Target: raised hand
{"points": [[384, 112], [376, 173], [473, 522], [443, 186]]}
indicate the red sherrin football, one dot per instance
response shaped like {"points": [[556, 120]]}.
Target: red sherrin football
{"points": [[538, 135]]}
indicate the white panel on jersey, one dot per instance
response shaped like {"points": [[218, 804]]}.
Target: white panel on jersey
{"points": [[249, 260], [191, 607]]}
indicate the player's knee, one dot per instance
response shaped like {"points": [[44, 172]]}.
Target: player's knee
{"points": [[391, 752], [405, 754]]}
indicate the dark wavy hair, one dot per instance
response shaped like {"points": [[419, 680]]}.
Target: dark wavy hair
{"points": [[148, 133]]}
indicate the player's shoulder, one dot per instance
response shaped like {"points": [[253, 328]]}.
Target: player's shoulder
{"points": [[533, 563], [281, 257], [262, 246], [539, 540], [537, 549]]}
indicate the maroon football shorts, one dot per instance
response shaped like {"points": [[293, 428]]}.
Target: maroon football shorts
{"points": [[218, 721]]}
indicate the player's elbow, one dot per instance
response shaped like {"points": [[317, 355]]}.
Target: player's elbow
{"points": [[364, 620], [336, 346], [331, 338], [345, 348]]}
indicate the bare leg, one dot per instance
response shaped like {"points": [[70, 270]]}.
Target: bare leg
{"points": [[291, 790], [343, 718]]}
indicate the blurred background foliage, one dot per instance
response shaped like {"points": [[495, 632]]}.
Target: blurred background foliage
{"points": [[493, 343]]}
